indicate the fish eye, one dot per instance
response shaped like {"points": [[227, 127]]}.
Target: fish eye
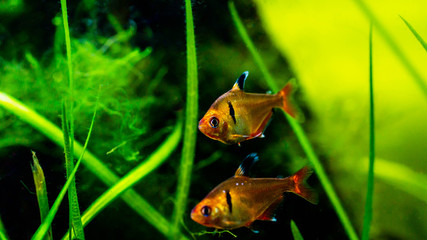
{"points": [[206, 211], [214, 122]]}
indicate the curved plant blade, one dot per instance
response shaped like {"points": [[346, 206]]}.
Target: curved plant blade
{"points": [[41, 191], [417, 36], [295, 231], [367, 218], [190, 127]]}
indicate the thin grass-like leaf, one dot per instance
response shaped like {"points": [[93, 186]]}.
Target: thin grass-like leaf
{"points": [[295, 231], [299, 132], [47, 128], [76, 225], [43, 228], [157, 158], [41, 191], [190, 127], [68, 129], [417, 36], [404, 60], [3, 235], [370, 185]]}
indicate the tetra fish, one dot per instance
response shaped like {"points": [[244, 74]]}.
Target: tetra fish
{"points": [[237, 116], [240, 200]]}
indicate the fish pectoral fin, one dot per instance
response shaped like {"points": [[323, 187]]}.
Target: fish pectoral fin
{"points": [[269, 213]]}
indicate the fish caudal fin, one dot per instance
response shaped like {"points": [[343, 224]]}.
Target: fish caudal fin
{"points": [[301, 188], [286, 105]]}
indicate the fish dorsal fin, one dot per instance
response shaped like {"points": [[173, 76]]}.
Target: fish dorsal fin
{"points": [[246, 165], [240, 82]]}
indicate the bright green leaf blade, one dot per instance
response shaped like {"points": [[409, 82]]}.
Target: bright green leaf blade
{"points": [[295, 231], [299, 132], [41, 190], [3, 235], [190, 127], [370, 183], [75, 217], [419, 38]]}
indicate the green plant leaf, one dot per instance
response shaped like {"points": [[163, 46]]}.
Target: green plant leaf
{"points": [[3, 235], [295, 231], [41, 191], [370, 183], [190, 127], [419, 38]]}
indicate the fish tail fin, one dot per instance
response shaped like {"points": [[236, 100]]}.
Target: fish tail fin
{"points": [[301, 188], [286, 105]]}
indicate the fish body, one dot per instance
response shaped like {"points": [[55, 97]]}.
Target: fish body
{"points": [[240, 200], [237, 116]]}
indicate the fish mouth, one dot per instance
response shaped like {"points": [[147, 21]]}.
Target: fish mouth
{"points": [[203, 127]]}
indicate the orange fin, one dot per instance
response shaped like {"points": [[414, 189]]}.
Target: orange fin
{"points": [[269, 213], [285, 94], [301, 188]]}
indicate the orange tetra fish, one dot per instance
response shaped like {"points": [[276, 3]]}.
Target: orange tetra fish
{"points": [[237, 116], [240, 200]]}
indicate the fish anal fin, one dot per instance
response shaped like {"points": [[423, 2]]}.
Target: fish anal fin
{"points": [[269, 213], [240, 82]]}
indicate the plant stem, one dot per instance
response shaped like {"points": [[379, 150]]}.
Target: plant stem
{"points": [[190, 127], [299, 132]]}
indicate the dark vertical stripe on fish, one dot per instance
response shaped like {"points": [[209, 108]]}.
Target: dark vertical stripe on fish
{"points": [[232, 111], [228, 197]]}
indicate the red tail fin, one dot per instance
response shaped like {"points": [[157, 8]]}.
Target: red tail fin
{"points": [[301, 187], [285, 93]]}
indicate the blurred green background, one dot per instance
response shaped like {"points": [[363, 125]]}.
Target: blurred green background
{"points": [[136, 52]]}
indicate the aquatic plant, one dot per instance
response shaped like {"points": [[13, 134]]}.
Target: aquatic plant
{"points": [[190, 127], [367, 218]]}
